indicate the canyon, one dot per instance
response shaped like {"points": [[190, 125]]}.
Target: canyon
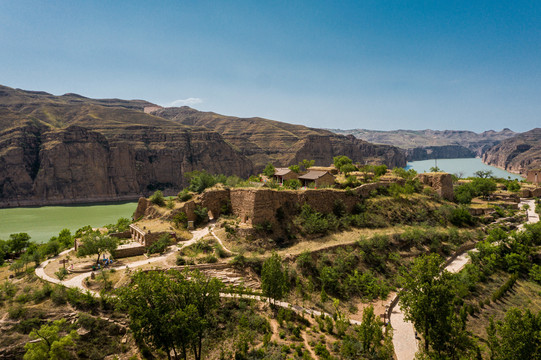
{"points": [[72, 149]]}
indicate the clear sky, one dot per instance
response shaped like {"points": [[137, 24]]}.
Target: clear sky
{"points": [[378, 64]]}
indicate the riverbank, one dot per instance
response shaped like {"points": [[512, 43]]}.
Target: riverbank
{"points": [[41, 223], [463, 167]]}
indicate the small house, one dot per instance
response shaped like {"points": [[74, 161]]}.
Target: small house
{"points": [[316, 177], [283, 174], [534, 176]]}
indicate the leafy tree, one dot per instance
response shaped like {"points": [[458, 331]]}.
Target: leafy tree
{"points": [[52, 344], [347, 168], [65, 239], [343, 163], [484, 186], [157, 198], [518, 336], [464, 193], [427, 299], [292, 184], [483, 174], [435, 169], [269, 170], [200, 180], [172, 311], [295, 168], [380, 170], [18, 242], [94, 243], [306, 164], [273, 278]]}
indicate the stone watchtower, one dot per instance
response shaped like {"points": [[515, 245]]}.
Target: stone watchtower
{"points": [[534, 176]]}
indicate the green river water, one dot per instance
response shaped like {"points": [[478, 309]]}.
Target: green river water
{"points": [[41, 223]]}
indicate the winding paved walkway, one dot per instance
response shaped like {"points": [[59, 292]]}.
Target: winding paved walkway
{"points": [[77, 281], [404, 341]]}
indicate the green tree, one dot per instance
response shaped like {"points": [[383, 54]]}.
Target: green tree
{"points": [[295, 168], [306, 164], [269, 170], [95, 243], [273, 278], [52, 344], [435, 169], [344, 164], [427, 299], [157, 198], [172, 311], [18, 242], [380, 170], [370, 331], [201, 180], [347, 168], [518, 336], [483, 174], [65, 239], [484, 186]]}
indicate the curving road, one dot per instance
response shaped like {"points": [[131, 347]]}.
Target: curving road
{"points": [[404, 341]]}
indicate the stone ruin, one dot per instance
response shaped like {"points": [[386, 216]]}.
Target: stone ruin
{"points": [[441, 182]]}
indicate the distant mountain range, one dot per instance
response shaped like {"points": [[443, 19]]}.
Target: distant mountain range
{"points": [[72, 149], [430, 144]]}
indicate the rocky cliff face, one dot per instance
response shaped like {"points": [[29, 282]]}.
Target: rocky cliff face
{"points": [[283, 144], [53, 151], [450, 141], [439, 152], [517, 154]]}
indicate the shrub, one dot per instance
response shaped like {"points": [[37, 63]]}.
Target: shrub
{"points": [[180, 220], [61, 273], [157, 198], [59, 295], [184, 195], [201, 215], [292, 184], [161, 245], [461, 216]]}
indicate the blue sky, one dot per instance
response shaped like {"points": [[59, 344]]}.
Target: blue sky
{"points": [[385, 65]]}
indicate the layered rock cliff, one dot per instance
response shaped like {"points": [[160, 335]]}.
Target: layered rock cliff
{"points": [[72, 149], [59, 150], [263, 140], [517, 154], [429, 144], [439, 152]]}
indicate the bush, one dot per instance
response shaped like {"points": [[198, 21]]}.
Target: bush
{"points": [[160, 246], [157, 198], [201, 215], [59, 295], [180, 220], [461, 216], [184, 195], [61, 273]]}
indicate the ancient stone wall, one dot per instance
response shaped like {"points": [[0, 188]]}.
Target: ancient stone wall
{"points": [[442, 183], [129, 251]]}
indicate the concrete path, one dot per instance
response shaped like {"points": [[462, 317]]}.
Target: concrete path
{"points": [[77, 281], [405, 344], [533, 217]]}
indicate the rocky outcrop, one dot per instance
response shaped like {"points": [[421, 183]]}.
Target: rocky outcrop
{"points": [[283, 144], [517, 154], [439, 152], [76, 164]]}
